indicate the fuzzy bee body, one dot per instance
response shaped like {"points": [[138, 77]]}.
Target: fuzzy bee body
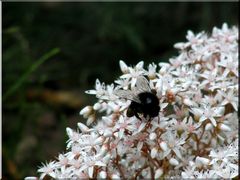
{"points": [[143, 100]]}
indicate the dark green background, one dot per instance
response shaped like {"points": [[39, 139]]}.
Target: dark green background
{"points": [[92, 38]]}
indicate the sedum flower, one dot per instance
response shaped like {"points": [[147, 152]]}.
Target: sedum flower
{"points": [[195, 134], [207, 112], [230, 98], [47, 169]]}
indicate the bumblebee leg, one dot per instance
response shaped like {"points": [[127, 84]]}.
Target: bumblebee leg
{"points": [[148, 125], [147, 117], [136, 114]]}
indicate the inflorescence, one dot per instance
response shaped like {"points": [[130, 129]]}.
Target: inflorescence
{"points": [[195, 134]]}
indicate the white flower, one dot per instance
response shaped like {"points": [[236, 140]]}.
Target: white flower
{"points": [[73, 137], [229, 64], [174, 144], [230, 97], [188, 173], [225, 171], [99, 89], [222, 155], [89, 163], [124, 83], [134, 73], [47, 169], [208, 113], [124, 124], [210, 77]]}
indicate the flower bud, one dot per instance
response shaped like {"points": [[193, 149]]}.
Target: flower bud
{"points": [[214, 142], [97, 106], [154, 152], [103, 174], [188, 102], [202, 160], [107, 120], [114, 107], [30, 178], [152, 136], [90, 120], [83, 127], [69, 131], [107, 133], [208, 126], [99, 140], [163, 145], [224, 127], [86, 111], [158, 173], [123, 67], [107, 158], [173, 162], [191, 163], [103, 151], [115, 176]]}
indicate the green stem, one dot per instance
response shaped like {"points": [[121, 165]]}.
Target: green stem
{"points": [[23, 78]]}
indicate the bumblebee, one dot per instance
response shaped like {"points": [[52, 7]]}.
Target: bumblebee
{"points": [[143, 100]]}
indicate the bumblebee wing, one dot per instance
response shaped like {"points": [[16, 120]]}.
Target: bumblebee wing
{"points": [[142, 84], [127, 94]]}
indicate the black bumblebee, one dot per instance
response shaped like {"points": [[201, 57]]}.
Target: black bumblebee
{"points": [[144, 100]]}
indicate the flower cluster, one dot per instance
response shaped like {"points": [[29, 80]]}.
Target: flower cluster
{"points": [[195, 134]]}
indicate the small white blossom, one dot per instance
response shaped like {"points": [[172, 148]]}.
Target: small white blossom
{"points": [[47, 169], [208, 113], [230, 98]]}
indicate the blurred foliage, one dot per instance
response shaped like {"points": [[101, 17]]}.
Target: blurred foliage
{"points": [[92, 38]]}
